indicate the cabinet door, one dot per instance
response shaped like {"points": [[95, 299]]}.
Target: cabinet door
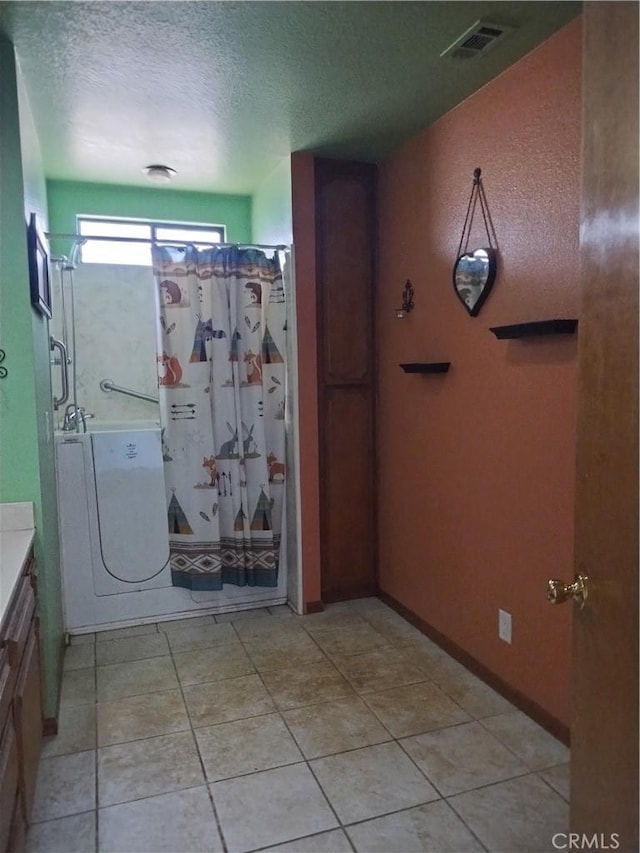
{"points": [[28, 717], [9, 775], [345, 265]]}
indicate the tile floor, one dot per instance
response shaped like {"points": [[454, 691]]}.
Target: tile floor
{"points": [[346, 730]]}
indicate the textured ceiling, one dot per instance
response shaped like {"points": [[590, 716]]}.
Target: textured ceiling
{"points": [[222, 91]]}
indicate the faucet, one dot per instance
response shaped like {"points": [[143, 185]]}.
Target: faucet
{"points": [[73, 415]]}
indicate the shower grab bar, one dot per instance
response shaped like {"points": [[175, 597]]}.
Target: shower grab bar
{"points": [[54, 344], [109, 385]]}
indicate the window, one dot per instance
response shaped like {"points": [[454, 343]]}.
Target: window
{"points": [[138, 253]]}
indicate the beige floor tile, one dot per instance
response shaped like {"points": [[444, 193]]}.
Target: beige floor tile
{"points": [[393, 627], [78, 688], [76, 732], [212, 664], [183, 820], [66, 785], [131, 648], [138, 717], [286, 803], [432, 660], [282, 652], [369, 603], [432, 828], [317, 682], [369, 782], [144, 768], [462, 757], [415, 709], [181, 624], [256, 613], [270, 629], [530, 742], [81, 639], [334, 841], [81, 656], [331, 619], [118, 680], [559, 778], [351, 640], [477, 698], [224, 701], [334, 726], [201, 637], [282, 611], [73, 834], [131, 631], [519, 815], [379, 670], [245, 746]]}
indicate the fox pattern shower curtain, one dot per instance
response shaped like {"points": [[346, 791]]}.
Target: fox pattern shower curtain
{"points": [[222, 381]]}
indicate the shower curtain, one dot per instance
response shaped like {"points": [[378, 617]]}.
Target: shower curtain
{"points": [[222, 381]]}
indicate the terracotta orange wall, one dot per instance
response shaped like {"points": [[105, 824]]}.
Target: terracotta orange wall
{"points": [[476, 468]]}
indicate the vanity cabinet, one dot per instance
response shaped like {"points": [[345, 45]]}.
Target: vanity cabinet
{"points": [[9, 779], [20, 709]]}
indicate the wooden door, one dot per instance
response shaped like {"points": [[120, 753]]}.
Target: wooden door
{"points": [[345, 240], [604, 734]]}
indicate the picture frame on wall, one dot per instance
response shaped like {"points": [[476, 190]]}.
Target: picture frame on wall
{"points": [[39, 279]]}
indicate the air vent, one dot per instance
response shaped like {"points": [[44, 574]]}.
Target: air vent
{"points": [[476, 41]]}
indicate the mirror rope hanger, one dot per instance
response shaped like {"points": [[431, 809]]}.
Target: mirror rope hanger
{"points": [[474, 272]]}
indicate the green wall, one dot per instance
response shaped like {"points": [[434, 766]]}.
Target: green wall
{"points": [[272, 218], [68, 198], [27, 467]]}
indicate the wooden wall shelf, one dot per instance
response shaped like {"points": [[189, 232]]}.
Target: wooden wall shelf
{"points": [[426, 367], [535, 329]]}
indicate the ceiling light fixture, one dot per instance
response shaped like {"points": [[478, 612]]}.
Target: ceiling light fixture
{"points": [[159, 174]]}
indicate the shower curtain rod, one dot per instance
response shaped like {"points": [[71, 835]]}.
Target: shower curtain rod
{"points": [[79, 238]]}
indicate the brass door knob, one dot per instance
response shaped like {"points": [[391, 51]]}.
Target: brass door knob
{"points": [[558, 591]]}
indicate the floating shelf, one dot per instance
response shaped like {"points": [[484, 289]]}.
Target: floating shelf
{"points": [[429, 367], [537, 328]]}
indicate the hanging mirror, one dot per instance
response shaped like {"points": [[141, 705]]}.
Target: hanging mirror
{"points": [[474, 271], [473, 277]]}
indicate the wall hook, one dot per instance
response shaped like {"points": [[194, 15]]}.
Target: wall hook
{"points": [[407, 301]]}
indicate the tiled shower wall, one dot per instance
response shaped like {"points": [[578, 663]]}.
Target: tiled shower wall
{"points": [[115, 323]]}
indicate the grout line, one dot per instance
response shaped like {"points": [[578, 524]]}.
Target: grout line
{"points": [[59, 817], [539, 773], [306, 760], [96, 763], [306, 838], [216, 818], [410, 808], [397, 644], [152, 797], [464, 822], [512, 750]]}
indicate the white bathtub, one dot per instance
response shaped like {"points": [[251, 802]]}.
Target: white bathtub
{"points": [[114, 533], [94, 425]]}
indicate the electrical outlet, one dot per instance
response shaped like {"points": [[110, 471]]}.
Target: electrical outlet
{"points": [[504, 626]]}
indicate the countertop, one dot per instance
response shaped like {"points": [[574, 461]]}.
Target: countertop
{"points": [[16, 537]]}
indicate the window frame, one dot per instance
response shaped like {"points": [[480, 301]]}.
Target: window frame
{"points": [[154, 225]]}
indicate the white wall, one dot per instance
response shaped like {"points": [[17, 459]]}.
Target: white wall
{"points": [[115, 323]]}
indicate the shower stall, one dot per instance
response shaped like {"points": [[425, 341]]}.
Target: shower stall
{"points": [[110, 456]]}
